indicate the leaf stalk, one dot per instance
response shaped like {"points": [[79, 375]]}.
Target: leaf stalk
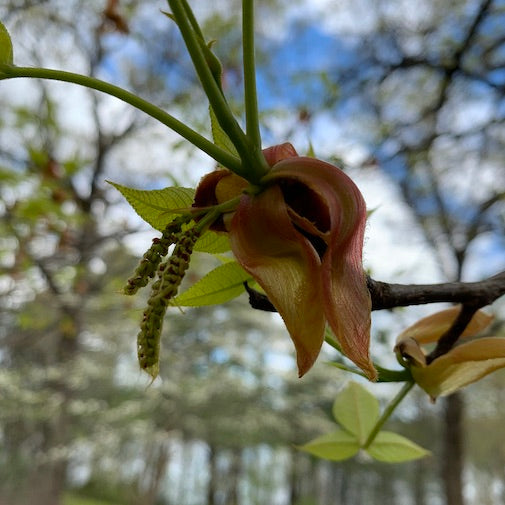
{"points": [[387, 413], [220, 155]]}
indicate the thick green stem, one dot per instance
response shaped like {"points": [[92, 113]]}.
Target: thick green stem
{"points": [[191, 18], [210, 86], [387, 412], [220, 155], [250, 94], [259, 167]]}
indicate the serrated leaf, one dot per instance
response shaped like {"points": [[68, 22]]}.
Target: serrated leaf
{"points": [[356, 410], [219, 136], [393, 448], [6, 53], [212, 243], [220, 285], [157, 206], [335, 446]]}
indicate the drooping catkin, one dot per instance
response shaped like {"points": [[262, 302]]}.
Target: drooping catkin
{"points": [[170, 275], [154, 255]]}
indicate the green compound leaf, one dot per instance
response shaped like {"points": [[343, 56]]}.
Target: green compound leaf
{"points": [[393, 448], [335, 446], [212, 243], [220, 137], [6, 53], [158, 207], [356, 410], [220, 285]]}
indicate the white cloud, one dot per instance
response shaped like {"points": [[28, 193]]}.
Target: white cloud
{"points": [[395, 248]]}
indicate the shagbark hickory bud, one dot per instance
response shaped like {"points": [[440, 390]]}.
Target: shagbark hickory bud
{"points": [[301, 238]]}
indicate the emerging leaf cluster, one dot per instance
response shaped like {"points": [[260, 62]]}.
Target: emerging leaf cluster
{"points": [[357, 412]]}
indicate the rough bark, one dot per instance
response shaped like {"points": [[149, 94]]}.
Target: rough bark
{"points": [[387, 296]]}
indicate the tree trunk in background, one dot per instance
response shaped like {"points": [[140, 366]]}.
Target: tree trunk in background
{"points": [[153, 474], [213, 477], [234, 477], [47, 484], [419, 483], [345, 489], [453, 450], [294, 482]]}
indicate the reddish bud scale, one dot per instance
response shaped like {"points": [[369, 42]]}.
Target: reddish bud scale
{"points": [[164, 289], [301, 239]]}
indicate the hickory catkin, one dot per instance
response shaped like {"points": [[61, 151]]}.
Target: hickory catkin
{"points": [[153, 256], [170, 274]]}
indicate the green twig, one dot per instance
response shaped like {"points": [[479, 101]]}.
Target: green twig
{"points": [[343, 366], [385, 375], [220, 155], [387, 412]]}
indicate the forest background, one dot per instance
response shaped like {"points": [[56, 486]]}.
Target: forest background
{"points": [[410, 101]]}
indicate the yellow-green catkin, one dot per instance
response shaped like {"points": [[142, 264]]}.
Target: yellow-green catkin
{"points": [[153, 256], [170, 275]]}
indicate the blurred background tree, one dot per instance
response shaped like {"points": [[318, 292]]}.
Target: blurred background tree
{"points": [[412, 101]]}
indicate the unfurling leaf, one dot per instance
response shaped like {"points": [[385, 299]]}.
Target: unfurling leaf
{"points": [[6, 53], [335, 446], [356, 410], [158, 207], [393, 448], [462, 365], [219, 286], [429, 329], [465, 363]]}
